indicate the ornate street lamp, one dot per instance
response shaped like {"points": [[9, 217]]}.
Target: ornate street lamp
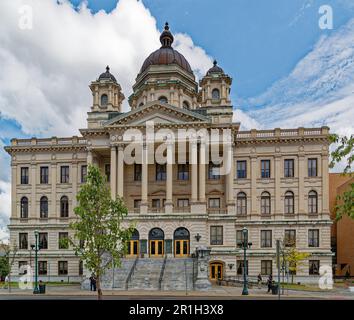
{"points": [[36, 248], [245, 245]]}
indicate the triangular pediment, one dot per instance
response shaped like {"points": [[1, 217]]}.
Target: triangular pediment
{"points": [[158, 113]]}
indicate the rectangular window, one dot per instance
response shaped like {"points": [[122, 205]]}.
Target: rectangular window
{"points": [[42, 267], [160, 172], [107, 171], [183, 172], [156, 203], [81, 268], [289, 168], [312, 167], [266, 238], [62, 268], [314, 267], [265, 169], [44, 175], [83, 174], [64, 174], [23, 241], [314, 238], [137, 203], [24, 175], [290, 238], [43, 240], [137, 172], [182, 203], [241, 169], [214, 203], [63, 240], [266, 267], [239, 237], [240, 267], [216, 235], [22, 267], [213, 171]]}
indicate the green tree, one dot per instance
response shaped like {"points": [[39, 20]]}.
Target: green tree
{"points": [[344, 151], [7, 261], [99, 226], [294, 259]]}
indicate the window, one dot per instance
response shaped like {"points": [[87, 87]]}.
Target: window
{"points": [[289, 202], [24, 208], [265, 169], [215, 94], [289, 168], [156, 203], [241, 204], [44, 175], [62, 268], [64, 207], [23, 241], [22, 267], [160, 172], [312, 167], [43, 207], [241, 169], [240, 267], [137, 203], [213, 171], [239, 237], [42, 267], [81, 268], [312, 199], [214, 203], [63, 240], [183, 172], [216, 235], [182, 203], [266, 267], [83, 174], [290, 238], [265, 203], [266, 238], [107, 171], [163, 99], [43, 240], [104, 100], [82, 244], [24, 175], [64, 174], [137, 172], [314, 267], [314, 238], [185, 105]]}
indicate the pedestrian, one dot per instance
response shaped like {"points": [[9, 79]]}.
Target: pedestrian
{"points": [[7, 283], [259, 281], [92, 282], [270, 282]]}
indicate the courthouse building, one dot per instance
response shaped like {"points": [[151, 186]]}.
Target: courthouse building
{"points": [[277, 186]]}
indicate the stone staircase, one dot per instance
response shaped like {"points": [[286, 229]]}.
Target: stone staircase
{"points": [[115, 278], [178, 274]]}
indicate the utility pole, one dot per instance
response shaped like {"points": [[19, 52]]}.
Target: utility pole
{"points": [[36, 248], [278, 263]]}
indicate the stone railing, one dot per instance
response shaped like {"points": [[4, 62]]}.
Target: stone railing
{"points": [[48, 141]]}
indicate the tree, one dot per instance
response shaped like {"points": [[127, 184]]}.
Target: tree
{"points": [[7, 261], [99, 226], [344, 151], [294, 259]]}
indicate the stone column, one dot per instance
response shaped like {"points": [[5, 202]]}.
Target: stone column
{"points": [[229, 180], [203, 256], [74, 179], [325, 185], [301, 170], [33, 207], [89, 157], [169, 178], [277, 173], [194, 164], [144, 180], [120, 171], [14, 211], [113, 168], [202, 168], [254, 208], [53, 181]]}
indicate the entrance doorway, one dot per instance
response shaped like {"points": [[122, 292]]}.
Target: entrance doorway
{"points": [[156, 242], [181, 242], [216, 271], [133, 244]]}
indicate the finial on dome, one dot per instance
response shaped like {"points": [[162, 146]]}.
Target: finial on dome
{"points": [[166, 26], [107, 69], [215, 63], [166, 37]]}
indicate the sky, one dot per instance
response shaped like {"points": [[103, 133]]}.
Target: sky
{"points": [[286, 70]]}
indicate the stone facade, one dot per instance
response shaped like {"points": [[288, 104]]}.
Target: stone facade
{"points": [[278, 179]]}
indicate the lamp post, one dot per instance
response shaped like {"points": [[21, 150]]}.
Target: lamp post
{"points": [[36, 248], [245, 245]]}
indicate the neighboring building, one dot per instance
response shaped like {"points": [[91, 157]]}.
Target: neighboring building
{"points": [[277, 186], [342, 232]]}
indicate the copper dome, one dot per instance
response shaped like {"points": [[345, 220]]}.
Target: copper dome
{"points": [[166, 54]]}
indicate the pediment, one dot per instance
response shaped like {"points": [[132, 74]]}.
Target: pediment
{"points": [[158, 113]]}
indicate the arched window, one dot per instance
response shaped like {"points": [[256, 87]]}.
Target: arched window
{"points": [[186, 105], [24, 207], [241, 204], [215, 94], [64, 207], [312, 199], [265, 203], [156, 234], [104, 100], [43, 207], [163, 99], [289, 202], [135, 235], [181, 233]]}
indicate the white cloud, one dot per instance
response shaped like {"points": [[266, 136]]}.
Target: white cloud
{"points": [[247, 122], [5, 205]]}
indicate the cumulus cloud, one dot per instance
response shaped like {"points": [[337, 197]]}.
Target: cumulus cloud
{"points": [[5, 205]]}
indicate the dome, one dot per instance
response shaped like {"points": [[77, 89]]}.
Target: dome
{"points": [[166, 54], [215, 69], [107, 75]]}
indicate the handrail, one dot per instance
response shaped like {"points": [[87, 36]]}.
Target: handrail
{"points": [[131, 272], [162, 272]]}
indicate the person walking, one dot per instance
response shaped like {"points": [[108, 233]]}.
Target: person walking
{"points": [[92, 282], [259, 281], [270, 283]]}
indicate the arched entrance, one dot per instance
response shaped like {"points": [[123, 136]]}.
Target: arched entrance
{"points": [[181, 242], [133, 244], [156, 242], [216, 270]]}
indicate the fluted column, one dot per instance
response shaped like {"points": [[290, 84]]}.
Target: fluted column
{"points": [[74, 180], [194, 164], [113, 176], [14, 211], [202, 163], [325, 186], [254, 209], [33, 181], [144, 180], [53, 181], [278, 202], [120, 171], [301, 170], [169, 178]]}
